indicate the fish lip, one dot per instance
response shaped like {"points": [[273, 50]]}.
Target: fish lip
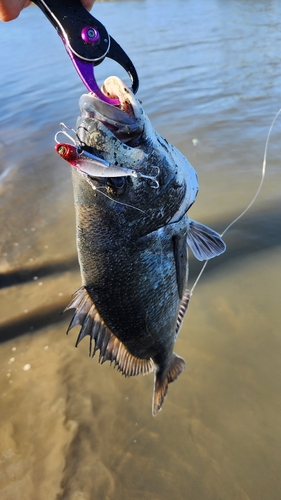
{"points": [[124, 120], [105, 112]]}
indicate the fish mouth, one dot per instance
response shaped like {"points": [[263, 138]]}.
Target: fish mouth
{"points": [[123, 120]]}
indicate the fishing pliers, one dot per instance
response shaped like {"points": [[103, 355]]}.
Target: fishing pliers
{"points": [[87, 42]]}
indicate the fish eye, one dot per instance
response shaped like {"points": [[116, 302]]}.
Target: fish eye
{"points": [[117, 185], [119, 181]]}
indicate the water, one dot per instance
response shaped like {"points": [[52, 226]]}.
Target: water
{"points": [[73, 430]]}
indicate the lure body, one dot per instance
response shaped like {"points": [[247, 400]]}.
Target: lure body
{"points": [[90, 164]]}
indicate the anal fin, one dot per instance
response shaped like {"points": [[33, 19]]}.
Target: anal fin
{"points": [[111, 348], [182, 310], [176, 366]]}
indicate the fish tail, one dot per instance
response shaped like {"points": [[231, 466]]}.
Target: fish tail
{"points": [[176, 366]]}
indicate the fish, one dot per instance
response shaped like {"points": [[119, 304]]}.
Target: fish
{"points": [[133, 234]]}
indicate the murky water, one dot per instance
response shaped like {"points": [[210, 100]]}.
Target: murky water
{"points": [[71, 429]]}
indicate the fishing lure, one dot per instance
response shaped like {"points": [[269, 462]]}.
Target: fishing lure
{"points": [[95, 166], [91, 164]]}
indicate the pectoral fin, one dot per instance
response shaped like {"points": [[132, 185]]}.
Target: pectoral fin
{"points": [[204, 242]]}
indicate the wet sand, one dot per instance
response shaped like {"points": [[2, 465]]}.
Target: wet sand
{"points": [[71, 429]]}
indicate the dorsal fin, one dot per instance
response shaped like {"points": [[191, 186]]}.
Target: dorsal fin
{"points": [[110, 347]]}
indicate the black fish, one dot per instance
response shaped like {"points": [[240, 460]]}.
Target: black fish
{"points": [[132, 235]]}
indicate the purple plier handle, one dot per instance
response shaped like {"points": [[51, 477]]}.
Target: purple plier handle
{"points": [[87, 42]]}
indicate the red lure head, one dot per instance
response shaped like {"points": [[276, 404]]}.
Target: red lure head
{"points": [[67, 151]]}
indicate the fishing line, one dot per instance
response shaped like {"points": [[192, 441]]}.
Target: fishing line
{"points": [[107, 196], [252, 201]]}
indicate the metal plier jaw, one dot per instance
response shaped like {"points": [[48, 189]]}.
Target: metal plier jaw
{"points": [[87, 42]]}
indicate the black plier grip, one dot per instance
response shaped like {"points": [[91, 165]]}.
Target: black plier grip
{"points": [[86, 41]]}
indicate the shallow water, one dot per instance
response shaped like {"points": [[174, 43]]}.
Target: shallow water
{"points": [[71, 429]]}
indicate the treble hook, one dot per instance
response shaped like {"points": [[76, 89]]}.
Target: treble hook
{"points": [[63, 131], [151, 178]]}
